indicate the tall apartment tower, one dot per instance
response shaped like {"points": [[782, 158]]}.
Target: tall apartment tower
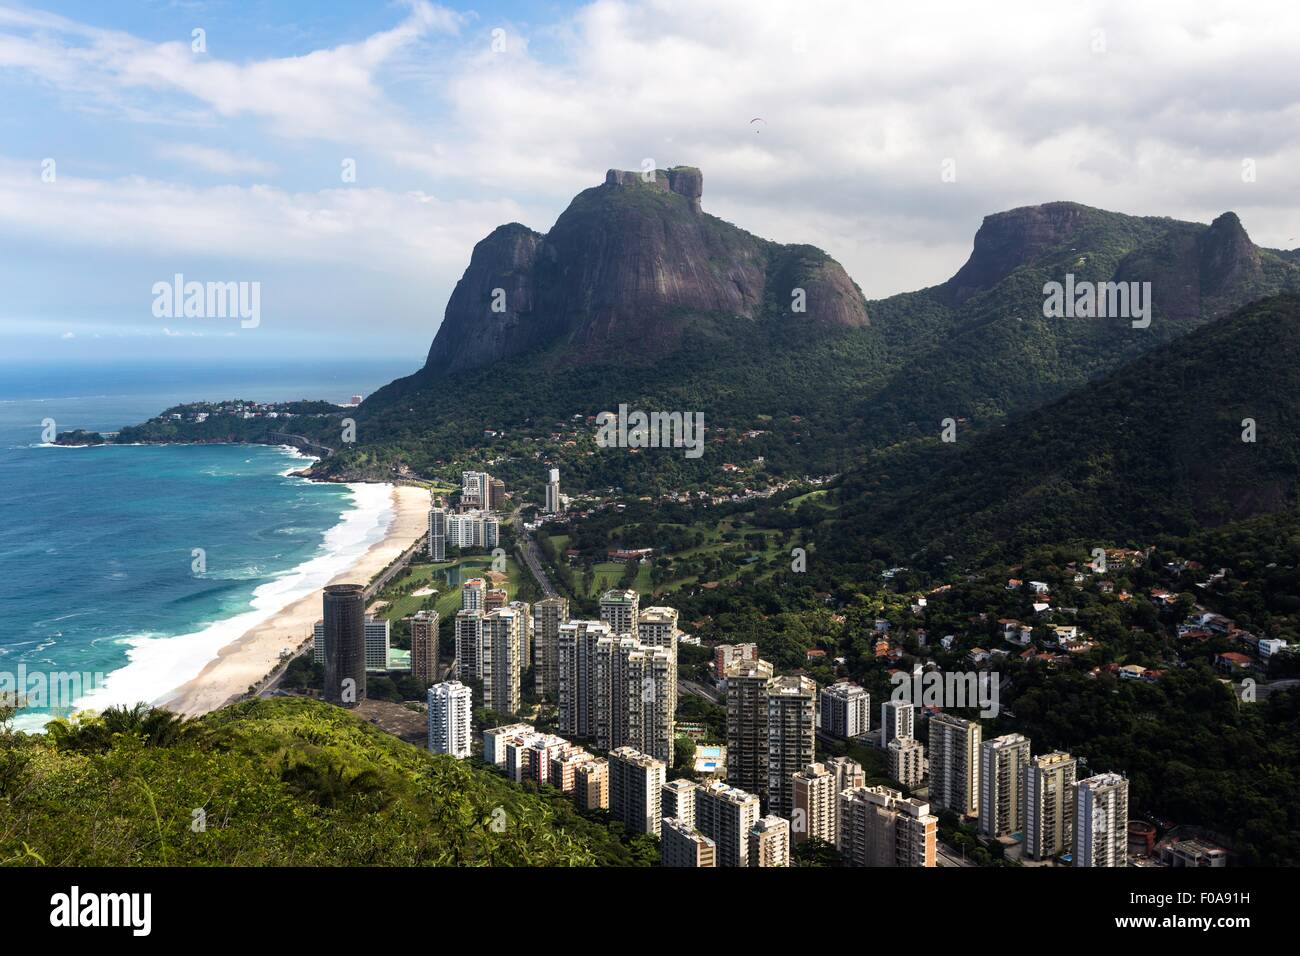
{"points": [[845, 710], [1049, 805], [525, 612], [791, 737], [424, 646], [1101, 821], [548, 615], [450, 706], [499, 660], [438, 534], [769, 842], [905, 758], [494, 598], [955, 764], [575, 670], [679, 800], [345, 644], [469, 639], [632, 697], [848, 774], [636, 782], [897, 719], [815, 799], [879, 827], [473, 595], [619, 609], [725, 815], [683, 845], [475, 490], [553, 506], [497, 494], [747, 724], [1003, 761], [657, 627]]}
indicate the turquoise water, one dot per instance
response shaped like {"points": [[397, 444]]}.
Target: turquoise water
{"points": [[100, 573]]}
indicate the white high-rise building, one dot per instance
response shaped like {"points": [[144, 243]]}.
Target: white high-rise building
{"points": [[815, 802], [450, 706], [845, 710], [553, 506], [473, 529], [905, 758], [1049, 804], [475, 490], [615, 690], [679, 800], [1003, 761], [897, 719], [1101, 821], [726, 815], [954, 764], [500, 659], [620, 610], [437, 534]]}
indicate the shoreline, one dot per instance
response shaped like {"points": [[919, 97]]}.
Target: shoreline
{"points": [[250, 658]]}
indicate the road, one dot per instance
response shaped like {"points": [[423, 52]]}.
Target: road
{"points": [[532, 558], [699, 690], [947, 856]]}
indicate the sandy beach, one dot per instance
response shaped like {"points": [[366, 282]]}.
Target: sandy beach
{"points": [[256, 653]]}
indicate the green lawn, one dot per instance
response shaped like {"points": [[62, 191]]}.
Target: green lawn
{"points": [[447, 601]]}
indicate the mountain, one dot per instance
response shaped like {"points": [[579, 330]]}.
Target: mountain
{"points": [[1158, 447], [637, 296], [629, 266], [983, 348], [286, 782]]}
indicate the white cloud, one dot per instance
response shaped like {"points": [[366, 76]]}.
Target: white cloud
{"points": [[215, 160]]}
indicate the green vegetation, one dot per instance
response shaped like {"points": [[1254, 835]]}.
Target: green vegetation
{"points": [[288, 782]]}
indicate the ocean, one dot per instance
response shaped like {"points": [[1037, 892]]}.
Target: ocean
{"points": [[124, 569]]}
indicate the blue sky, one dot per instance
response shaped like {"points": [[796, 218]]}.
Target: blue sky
{"points": [[226, 163]]}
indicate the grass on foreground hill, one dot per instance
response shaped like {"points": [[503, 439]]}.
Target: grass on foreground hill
{"points": [[290, 782]]}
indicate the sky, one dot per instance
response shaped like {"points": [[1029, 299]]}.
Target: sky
{"points": [[346, 156]]}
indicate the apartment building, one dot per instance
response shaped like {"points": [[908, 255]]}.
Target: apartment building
{"points": [[1101, 821], [636, 783], [1003, 762], [494, 741], [548, 615], [845, 710], [620, 610], [897, 719], [468, 629], [500, 662], [679, 800], [450, 706], [791, 737], [1049, 805], [815, 799], [747, 747], [954, 764], [726, 815], [905, 758], [769, 842], [437, 534], [880, 827], [424, 646], [684, 846]]}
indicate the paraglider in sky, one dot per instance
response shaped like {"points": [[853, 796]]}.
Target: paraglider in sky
{"points": [[758, 119]]}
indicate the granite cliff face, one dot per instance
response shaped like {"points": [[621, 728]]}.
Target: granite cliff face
{"points": [[629, 266]]}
